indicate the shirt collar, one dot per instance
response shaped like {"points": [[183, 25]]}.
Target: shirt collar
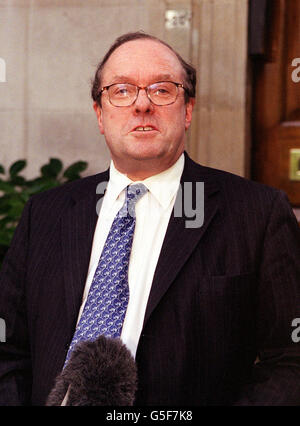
{"points": [[163, 186]]}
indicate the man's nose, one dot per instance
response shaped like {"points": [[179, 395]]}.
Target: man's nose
{"points": [[143, 103]]}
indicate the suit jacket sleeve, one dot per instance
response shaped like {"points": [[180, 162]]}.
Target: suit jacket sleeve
{"points": [[15, 363], [276, 374]]}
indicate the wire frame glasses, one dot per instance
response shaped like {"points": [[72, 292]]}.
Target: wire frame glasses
{"points": [[160, 93]]}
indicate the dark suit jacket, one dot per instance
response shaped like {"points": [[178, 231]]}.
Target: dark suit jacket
{"points": [[222, 295]]}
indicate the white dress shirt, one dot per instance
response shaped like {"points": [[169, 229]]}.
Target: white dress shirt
{"points": [[153, 212]]}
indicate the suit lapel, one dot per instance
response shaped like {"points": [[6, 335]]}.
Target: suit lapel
{"points": [[77, 229], [180, 241]]}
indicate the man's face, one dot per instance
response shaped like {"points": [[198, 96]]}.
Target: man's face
{"points": [[140, 154]]}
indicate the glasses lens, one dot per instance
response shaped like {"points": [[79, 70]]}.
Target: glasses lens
{"points": [[163, 93], [122, 94]]}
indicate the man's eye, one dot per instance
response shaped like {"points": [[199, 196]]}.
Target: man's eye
{"points": [[161, 90], [123, 91]]}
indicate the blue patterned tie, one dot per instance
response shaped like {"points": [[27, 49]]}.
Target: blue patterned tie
{"points": [[106, 304]]}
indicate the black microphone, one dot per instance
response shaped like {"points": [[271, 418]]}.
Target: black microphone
{"points": [[101, 372]]}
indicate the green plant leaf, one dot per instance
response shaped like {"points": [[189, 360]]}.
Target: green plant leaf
{"points": [[4, 221], [15, 192], [4, 204], [16, 208], [41, 185], [52, 169], [24, 196], [16, 167], [34, 181], [7, 187], [6, 236], [18, 180], [74, 170], [7, 199]]}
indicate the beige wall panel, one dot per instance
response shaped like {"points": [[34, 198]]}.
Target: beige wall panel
{"points": [[12, 47], [68, 135], [220, 53], [12, 92], [11, 136]]}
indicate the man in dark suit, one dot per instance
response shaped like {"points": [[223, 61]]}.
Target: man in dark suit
{"points": [[211, 306]]}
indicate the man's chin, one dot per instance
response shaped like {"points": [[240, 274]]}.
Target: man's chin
{"points": [[146, 151]]}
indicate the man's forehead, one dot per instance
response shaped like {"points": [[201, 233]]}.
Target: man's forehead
{"points": [[142, 57]]}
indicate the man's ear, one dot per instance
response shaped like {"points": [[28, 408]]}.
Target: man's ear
{"points": [[188, 112], [98, 112]]}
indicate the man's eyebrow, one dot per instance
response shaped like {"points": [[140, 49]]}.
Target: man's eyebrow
{"points": [[163, 77], [120, 79], [127, 79]]}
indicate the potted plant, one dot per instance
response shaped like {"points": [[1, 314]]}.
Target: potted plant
{"points": [[15, 191]]}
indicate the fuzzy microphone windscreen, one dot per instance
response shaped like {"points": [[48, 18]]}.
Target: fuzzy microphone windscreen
{"points": [[98, 373]]}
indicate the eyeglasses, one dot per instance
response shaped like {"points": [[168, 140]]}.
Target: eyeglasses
{"points": [[125, 94]]}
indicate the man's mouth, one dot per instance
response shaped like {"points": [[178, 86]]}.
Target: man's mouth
{"points": [[143, 129]]}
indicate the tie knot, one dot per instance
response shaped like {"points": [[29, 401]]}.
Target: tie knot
{"points": [[135, 192]]}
